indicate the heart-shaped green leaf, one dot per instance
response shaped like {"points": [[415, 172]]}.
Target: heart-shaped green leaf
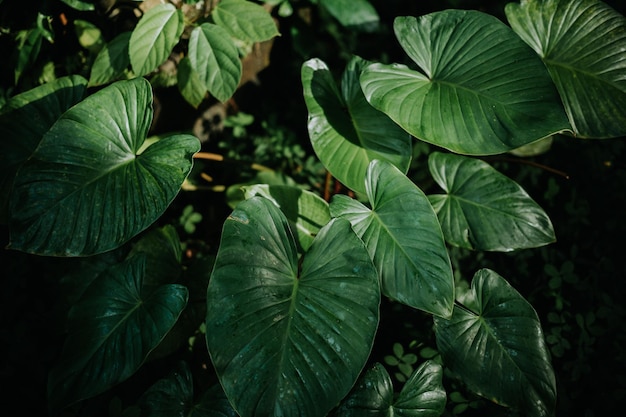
{"points": [[498, 350], [112, 330], [88, 187], [25, 118], [111, 61], [154, 37], [583, 45], [481, 203], [214, 57], [306, 212], [422, 395], [404, 238], [174, 396], [289, 337], [245, 20], [483, 90], [483, 209], [346, 132]]}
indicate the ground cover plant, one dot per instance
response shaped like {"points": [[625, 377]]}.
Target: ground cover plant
{"points": [[349, 237]]}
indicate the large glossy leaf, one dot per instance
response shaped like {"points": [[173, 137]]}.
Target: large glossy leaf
{"points": [[483, 209], [214, 57], [583, 44], [154, 37], [174, 396], [482, 90], [422, 395], [289, 337], [403, 237], [112, 330], [245, 20], [88, 187], [111, 61], [346, 132], [306, 211], [25, 118], [498, 349]]}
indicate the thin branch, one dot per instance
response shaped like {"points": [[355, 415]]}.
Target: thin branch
{"points": [[531, 163]]}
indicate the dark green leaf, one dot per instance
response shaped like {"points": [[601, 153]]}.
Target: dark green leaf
{"points": [[170, 396], [289, 339], [154, 37], [245, 20], [403, 237], [423, 394], [174, 396], [482, 90], [111, 332], [214, 57], [346, 132], [499, 350], [583, 45], [483, 209], [163, 250], [90, 164], [25, 119]]}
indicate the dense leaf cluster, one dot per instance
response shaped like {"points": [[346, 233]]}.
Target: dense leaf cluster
{"points": [[275, 298]]}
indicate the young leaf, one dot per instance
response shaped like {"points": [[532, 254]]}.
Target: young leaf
{"points": [[154, 37], [583, 45], [499, 350], [482, 90], [245, 20], [111, 61], [403, 237], [346, 132], [214, 57], [89, 36], [483, 209], [307, 212], [89, 165], [287, 337], [423, 394], [111, 332]]}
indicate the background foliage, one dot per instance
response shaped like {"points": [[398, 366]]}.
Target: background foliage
{"points": [[260, 135]]}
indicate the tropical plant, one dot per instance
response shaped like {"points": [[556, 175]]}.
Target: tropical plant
{"points": [[293, 294]]}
